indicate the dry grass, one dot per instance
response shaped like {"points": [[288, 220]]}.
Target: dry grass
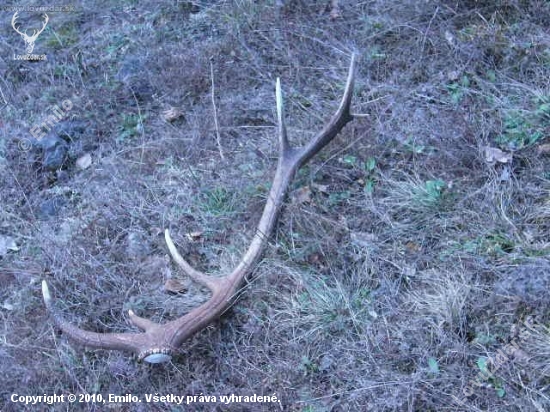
{"points": [[412, 265]]}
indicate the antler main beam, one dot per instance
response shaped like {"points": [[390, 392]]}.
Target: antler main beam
{"points": [[157, 343]]}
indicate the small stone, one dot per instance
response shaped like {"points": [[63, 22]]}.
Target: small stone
{"points": [[51, 207], [84, 162], [54, 159]]}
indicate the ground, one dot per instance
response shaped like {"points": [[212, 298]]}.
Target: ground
{"points": [[409, 269]]}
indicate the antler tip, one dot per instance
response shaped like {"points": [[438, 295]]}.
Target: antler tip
{"points": [[46, 295], [283, 139], [279, 97]]}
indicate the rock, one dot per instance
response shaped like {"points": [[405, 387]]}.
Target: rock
{"points": [[133, 74], [54, 151], [53, 159], [71, 129], [51, 207], [48, 142]]}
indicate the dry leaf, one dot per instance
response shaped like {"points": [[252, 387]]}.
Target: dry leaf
{"points": [[450, 38], [156, 231], [172, 114], [412, 246], [84, 162], [335, 10], [453, 76], [174, 286], [315, 259], [194, 236], [301, 195], [320, 188], [493, 154]]}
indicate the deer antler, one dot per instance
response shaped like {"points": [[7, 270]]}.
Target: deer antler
{"points": [[29, 40], [35, 32], [157, 343], [13, 22]]}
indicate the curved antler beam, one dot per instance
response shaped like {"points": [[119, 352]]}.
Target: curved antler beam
{"points": [[157, 343]]}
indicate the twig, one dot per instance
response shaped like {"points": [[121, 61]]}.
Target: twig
{"points": [[218, 138]]}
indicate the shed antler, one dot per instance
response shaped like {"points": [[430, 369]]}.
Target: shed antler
{"points": [[157, 343]]}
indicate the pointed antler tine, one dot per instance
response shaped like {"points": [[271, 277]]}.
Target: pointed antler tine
{"points": [[120, 341], [348, 92], [283, 138], [142, 323], [189, 270], [14, 22], [46, 295]]}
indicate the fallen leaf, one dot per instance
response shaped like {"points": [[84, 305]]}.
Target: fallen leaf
{"points": [[172, 114], [194, 236], [335, 10], [156, 231], [493, 154], [453, 76], [84, 162], [320, 188], [315, 259], [412, 246], [174, 286], [450, 38], [301, 195]]}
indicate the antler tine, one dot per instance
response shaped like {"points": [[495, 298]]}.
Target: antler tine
{"points": [[46, 20], [14, 22], [157, 342], [36, 32], [118, 341], [339, 119], [283, 139], [198, 276]]}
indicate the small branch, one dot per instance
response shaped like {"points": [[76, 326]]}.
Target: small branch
{"points": [[218, 138]]}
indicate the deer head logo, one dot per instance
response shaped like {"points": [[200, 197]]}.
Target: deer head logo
{"points": [[29, 40]]}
